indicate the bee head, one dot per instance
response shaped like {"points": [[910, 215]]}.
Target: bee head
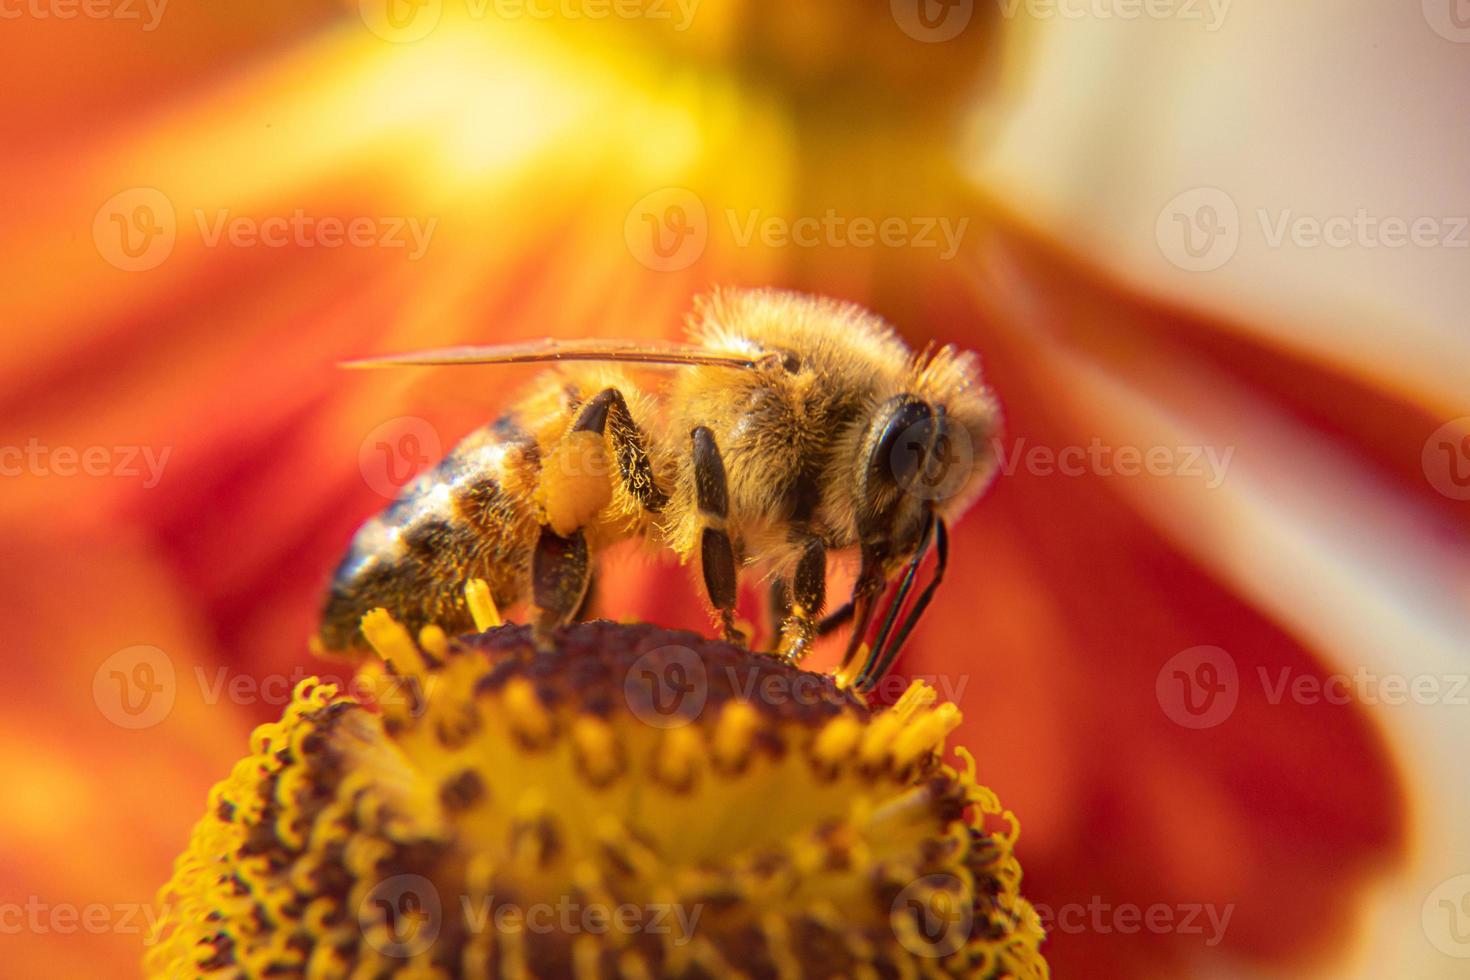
{"points": [[924, 456], [902, 453], [926, 453]]}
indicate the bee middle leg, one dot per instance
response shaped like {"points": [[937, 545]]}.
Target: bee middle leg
{"points": [[716, 551]]}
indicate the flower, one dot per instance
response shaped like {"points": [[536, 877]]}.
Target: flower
{"points": [[600, 828], [532, 142]]}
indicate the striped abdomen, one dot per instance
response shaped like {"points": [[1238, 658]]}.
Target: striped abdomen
{"points": [[471, 516]]}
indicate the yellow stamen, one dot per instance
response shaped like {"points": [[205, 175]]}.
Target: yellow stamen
{"points": [[677, 764], [526, 715], [482, 605], [433, 642], [732, 733], [837, 740], [597, 749], [925, 734], [530, 777], [392, 642]]}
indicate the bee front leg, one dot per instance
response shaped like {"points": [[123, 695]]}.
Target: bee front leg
{"points": [[716, 552], [808, 595]]}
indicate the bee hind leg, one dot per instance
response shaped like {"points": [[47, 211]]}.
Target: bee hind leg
{"points": [[584, 609], [575, 486], [560, 572], [808, 594]]}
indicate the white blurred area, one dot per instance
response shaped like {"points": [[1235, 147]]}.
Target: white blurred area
{"points": [[1312, 109], [1320, 108]]}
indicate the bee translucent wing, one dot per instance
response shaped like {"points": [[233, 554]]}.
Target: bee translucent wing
{"points": [[654, 352]]}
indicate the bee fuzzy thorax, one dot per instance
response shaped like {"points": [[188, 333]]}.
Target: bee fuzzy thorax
{"points": [[787, 428]]}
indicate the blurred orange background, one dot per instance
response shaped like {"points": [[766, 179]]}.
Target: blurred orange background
{"points": [[1224, 691]]}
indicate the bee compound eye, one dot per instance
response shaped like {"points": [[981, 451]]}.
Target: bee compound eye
{"points": [[903, 445], [924, 452]]}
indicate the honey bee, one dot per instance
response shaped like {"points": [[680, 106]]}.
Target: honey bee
{"points": [[791, 428]]}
